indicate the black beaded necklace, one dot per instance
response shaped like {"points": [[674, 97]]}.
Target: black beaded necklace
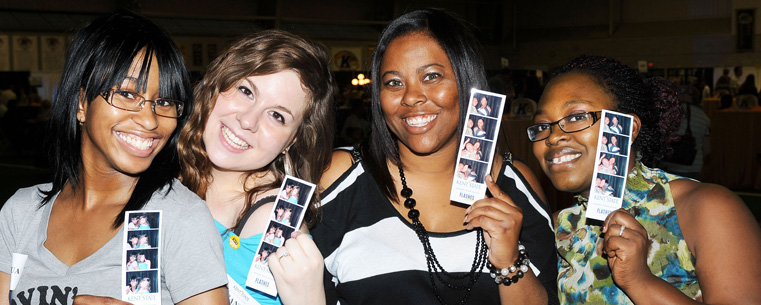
{"points": [[434, 267]]}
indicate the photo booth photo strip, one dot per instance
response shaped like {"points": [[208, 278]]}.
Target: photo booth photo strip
{"points": [[610, 169], [477, 144], [286, 217]]}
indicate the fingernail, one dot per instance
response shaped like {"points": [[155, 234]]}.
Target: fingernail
{"points": [[489, 177], [467, 211], [465, 220], [603, 228]]}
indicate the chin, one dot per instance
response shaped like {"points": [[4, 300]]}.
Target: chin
{"points": [[564, 183]]}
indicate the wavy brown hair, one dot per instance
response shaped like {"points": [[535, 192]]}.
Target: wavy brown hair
{"points": [[263, 53]]}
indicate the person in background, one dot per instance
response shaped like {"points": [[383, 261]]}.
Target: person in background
{"points": [[700, 126]]}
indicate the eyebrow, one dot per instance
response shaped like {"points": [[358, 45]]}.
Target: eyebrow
{"points": [[567, 104], [418, 70]]}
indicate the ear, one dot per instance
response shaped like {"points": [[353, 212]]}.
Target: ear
{"points": [[82, 107], [636, 125]]}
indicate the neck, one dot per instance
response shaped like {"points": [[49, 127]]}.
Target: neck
{"points": [[100, 189], [441, 162]]}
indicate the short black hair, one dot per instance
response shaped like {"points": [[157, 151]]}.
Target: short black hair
{"points": [[455, 36], [98, 59]]}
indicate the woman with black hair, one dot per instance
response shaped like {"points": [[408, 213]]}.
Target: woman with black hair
{"points": [[112, 143], [675, 240], [389, 233]]}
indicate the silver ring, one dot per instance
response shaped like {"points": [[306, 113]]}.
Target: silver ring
{"points": [[622, 231], [282, 255]]}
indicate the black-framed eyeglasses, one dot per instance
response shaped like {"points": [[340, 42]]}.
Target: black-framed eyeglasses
{"points": [[569, 124], [131, 101]]}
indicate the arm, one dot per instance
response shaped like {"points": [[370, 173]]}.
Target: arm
{"points": [[727, 270], [501, 220], [214, 296], [5, 286]]}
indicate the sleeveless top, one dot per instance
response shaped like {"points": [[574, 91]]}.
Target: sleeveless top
{"points": [[373, 256], [238, 260], [583, 274]]}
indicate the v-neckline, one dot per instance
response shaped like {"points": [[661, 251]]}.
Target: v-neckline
{"points": [[54, 262]]}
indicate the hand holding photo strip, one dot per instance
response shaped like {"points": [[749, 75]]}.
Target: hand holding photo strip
{"points": [[285, 220], [479, 137], [611, 165], [141, 254]]}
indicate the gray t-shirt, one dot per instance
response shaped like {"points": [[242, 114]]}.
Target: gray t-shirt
{"points": [[192, 260]]}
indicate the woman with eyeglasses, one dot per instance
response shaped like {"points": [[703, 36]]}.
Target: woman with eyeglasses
{"points": [[675, 240], [112, 138]]}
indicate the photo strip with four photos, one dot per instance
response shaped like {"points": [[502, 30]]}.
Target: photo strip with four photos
{"points": [[611, 165], [141, 254], [477, 145], [285, 219]]}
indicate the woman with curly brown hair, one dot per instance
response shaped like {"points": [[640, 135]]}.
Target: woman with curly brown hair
{"points": [[263, 112]]}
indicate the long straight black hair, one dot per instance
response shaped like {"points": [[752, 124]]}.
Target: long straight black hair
{"points": [[455, 36], [98, 59]]}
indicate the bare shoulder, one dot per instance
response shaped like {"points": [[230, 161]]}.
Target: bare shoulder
{"points": [[707, 202], [723, 235], [339, 163]]}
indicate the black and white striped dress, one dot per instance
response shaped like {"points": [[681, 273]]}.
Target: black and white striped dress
{"points": [[373, 256]]}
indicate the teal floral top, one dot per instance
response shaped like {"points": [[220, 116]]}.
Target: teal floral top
{"points": [[583, 274]]}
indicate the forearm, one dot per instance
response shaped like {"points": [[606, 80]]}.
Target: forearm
{"points": [[657, 291], [527, 290]]}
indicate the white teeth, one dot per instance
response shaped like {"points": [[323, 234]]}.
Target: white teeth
{"points": [[135, 141], [234, 140], [419, 121], [564, 158]]}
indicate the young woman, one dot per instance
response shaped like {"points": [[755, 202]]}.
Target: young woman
{"points": [[389, 233], [145, 286], [675, 240], [142, 262], [113, 132], [264, 112]]}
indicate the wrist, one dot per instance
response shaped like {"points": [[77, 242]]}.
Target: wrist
{"points": [[510, 274]]}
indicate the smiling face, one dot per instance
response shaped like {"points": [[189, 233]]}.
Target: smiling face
{"points": [[568, 159], [470, 123], [483, 102], [418, 94], [116, 140], [255, 121], [481, 124], [615, 121]]}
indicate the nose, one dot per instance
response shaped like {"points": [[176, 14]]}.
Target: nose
{"points": [[146, 118], [556, 135], [413, 95], [248, 118]]}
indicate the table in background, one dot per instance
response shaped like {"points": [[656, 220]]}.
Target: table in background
{"points": [[735, 150]]}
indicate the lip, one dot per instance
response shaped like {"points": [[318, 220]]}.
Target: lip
{"points": [[419, 122], [565, 157], [137, 143], [227, 144]]}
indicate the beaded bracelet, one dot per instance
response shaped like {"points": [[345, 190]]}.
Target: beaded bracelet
{"points": [[521, 266]]}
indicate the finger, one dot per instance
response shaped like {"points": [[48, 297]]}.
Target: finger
{"points": [[606, 222], [624, 218], [491, 218], [274, 262], [496, 192], [308, 246]]}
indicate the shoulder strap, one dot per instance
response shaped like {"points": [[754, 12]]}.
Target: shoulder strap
{"points": [[251, 210]]}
